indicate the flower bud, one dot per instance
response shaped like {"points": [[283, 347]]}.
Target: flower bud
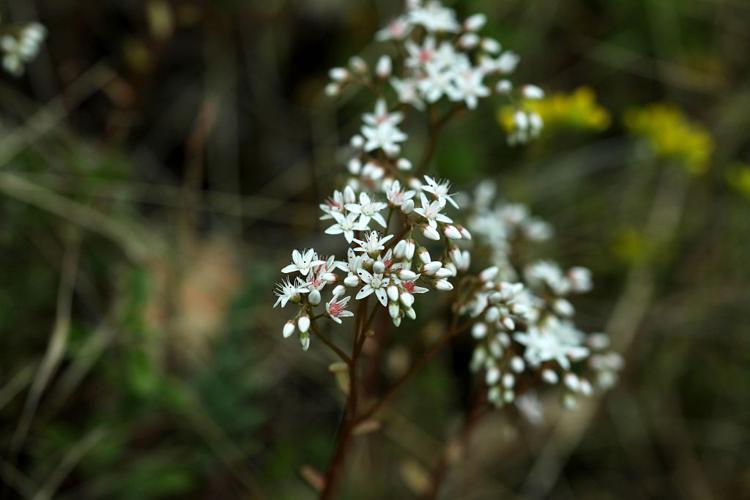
{"points": [[509, 380], [332, 89], [339, 290], [352, 280], [289, 329], [407, 274], [509, 323], [338, 74], [403, 164], [393, 293], [491, 45], [532, 92], [304, 340], [489, 273], [411, 313], [475, 22], [358, 64], [465, 233], [407, 207], [314, 297], [407, 299], [504, 87], [424, 255], [468, 40], [329, 278], [479, 330], [357, 141], [492, 375], [410, 248], [399, 251], [443, 285], [432, 267], [492, 314], [443, 272], [571, 381], [378, 267], [303, 323], [430, 233], [517, 364], [452, 232], [383, 67], [394, 310], [549, 376]]}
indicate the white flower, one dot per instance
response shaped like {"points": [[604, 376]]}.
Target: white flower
{"points": [[372, 244], [381, 131], [395, 196], [468, 87], [289, 290], [346, 225], [440, 190], [367, 209], [303, 262], [435, 83], [337, 202], [397, 29], [374, 283], [434, 17], [547, 273], [408, 92], [336, 309], [431, 212]]}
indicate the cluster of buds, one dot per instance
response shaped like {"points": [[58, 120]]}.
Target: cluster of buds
{"points": [[525, 335], [20, 45]]}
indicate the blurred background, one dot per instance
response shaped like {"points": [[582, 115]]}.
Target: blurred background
{"points": [[161, 158]]}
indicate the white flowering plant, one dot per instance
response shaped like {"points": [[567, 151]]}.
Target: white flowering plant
{"points": [[405, 234], [20, 45]]}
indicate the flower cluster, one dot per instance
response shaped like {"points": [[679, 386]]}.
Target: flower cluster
{"points": [[524, 329], [401, 231], [432, 58], [20, 45]]}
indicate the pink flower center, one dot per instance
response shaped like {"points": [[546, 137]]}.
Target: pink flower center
{"points": [[409, 286], [335, 309], [425, 55]]}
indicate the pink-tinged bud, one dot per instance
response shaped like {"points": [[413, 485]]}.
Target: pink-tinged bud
{"points": [[443, 285], [303, 323], [464, 232], [430, 233], [407, 299], [489, 274], [399, 251], [452, 232], [424, 255], [509, 323], [289, 329]]}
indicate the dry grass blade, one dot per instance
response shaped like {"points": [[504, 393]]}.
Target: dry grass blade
{"points": [[57, 343]]}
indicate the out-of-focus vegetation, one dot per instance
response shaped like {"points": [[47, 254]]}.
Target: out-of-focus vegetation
{"points": [[159, 154]]}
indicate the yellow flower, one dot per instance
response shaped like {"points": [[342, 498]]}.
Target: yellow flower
{"points": [[739, 178], [576, 110], [671, 135]]}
